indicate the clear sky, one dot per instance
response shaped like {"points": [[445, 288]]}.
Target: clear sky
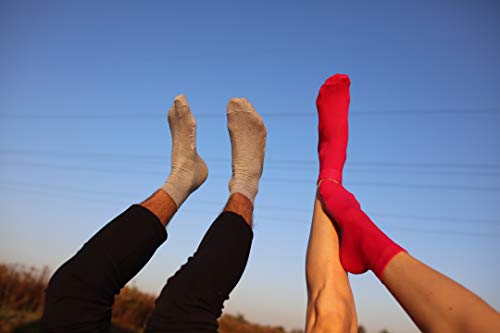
{"points": [[85, 88]]}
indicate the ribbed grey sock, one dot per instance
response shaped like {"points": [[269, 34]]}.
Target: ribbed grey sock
{"points": [[188, 170], [248, 140]]}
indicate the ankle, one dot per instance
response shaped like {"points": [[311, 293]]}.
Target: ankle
{"points": [[186, 177], [193, 170], [247, 186], [161, 205], [241, 205]]}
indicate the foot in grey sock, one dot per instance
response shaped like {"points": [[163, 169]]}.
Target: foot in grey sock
{"points": [[248, 140], [188, 170]]}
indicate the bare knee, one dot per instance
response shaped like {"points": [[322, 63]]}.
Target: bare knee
{"points": [[332, 314]]}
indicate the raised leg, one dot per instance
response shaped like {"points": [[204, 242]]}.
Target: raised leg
{"points": [[435, 302], [192, 300], [81, 292], [330, 305]]}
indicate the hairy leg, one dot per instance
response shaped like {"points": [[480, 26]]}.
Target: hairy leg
{"points": [[81, 292], [161, 205], [192, 300], [435, 302], [241, 205], [330, 301]]}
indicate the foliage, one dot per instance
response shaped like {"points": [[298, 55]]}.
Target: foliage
{"points": [[22, 292], [241, 318]]}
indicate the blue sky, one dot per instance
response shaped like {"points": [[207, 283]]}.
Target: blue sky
{"points": [[86, 86]]}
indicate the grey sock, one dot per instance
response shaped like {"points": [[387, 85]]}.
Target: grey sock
{"points": [[248, 140], [188, 170]]}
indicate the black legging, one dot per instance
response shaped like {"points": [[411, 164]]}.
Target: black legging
{"points": [[81, 292]]}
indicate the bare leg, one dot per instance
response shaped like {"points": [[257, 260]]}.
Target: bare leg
{"points": [[241, 205], [161, 205], [435, 302], [330, 301]]}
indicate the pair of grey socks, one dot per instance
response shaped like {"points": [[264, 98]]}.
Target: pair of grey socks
{"points": [[248, 140]]}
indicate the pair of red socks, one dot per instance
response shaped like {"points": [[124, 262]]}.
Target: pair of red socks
{"points": [[363, 245]]}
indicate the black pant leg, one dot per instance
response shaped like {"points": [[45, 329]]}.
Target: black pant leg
{"points": [[81, 292], [192, 300]]}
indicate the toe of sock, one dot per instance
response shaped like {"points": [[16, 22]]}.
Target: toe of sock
{"points": [[338, 79]]}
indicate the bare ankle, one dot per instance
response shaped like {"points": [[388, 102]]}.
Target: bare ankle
{"points": [[161, 205], [241, 205]]}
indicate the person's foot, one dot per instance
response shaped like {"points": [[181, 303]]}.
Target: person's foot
{"points": [[248, 141], [363, 246], [333, 107], [188, 170]]}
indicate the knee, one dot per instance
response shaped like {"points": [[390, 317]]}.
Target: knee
{"points": [[182, 305], [62, 285], [69, 306], [57, 283], [332, 315]]}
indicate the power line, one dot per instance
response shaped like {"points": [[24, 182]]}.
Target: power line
{"points": [[365, 170], [289, 162], [446, 219], [394, 227], [395, 185], [274, 208], [265, 179], [282, 219], [353, 112], [379, 214]]}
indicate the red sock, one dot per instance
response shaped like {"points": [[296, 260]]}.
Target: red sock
{"points": [[333, 107], [363, 245]]}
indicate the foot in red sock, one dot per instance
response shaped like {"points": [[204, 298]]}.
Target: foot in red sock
{"points": [[333, 107], [363, 245]]}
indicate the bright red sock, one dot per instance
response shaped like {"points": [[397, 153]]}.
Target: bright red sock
{"points": [[363, 245], [333, 107]]}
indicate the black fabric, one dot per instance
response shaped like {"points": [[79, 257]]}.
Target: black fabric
{"points": [[192, 300], [81, 292]]}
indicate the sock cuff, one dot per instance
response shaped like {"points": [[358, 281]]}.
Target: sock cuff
{"points": [[174, 193], [245, 190], [332, 174]]}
